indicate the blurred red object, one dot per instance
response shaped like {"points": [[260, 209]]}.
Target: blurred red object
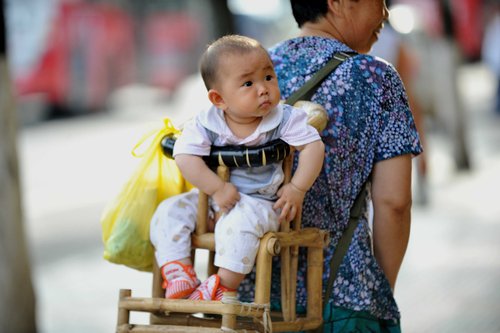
{"points": [[89, 52], [457, 19], [172, 41], [468, 27]]}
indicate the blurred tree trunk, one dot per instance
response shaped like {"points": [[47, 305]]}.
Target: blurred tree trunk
{"points": [[17, 299]]}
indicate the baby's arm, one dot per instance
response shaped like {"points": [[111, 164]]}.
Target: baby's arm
{"points": [[195, 171], [291, 195]]}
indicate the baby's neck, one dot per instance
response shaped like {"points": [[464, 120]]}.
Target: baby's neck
{"points": [[242, 129]]}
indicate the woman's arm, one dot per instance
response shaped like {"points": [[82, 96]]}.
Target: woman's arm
{"points": [[391, 195]]}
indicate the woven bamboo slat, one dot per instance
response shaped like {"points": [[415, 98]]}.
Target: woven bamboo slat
{"points": [[127, 328], [146, 304]]}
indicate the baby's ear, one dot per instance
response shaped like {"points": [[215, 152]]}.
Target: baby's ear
{"points": [[216, 99]]}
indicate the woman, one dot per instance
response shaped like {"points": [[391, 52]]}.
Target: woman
{"points": [[371, 133]]}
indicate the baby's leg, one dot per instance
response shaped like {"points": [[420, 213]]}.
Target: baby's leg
{"points": [[172, 225], [238, 233], [170, 233], [237, 238]]}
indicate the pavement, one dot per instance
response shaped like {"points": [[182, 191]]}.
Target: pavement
{"points": [[449, 282]]}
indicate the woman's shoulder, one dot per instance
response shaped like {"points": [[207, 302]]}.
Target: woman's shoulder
{"points": [[371, 73], [370, 66], [309, 54], [305, 52], [297, 59]]}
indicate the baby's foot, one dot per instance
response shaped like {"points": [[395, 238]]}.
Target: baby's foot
{"points": [[210, 289], [179, 280]]}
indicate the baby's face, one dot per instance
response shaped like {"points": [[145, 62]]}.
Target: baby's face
{"points": [[248, 85]]}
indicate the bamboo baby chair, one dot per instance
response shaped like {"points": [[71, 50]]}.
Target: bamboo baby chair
{"points": [[177, 315]]}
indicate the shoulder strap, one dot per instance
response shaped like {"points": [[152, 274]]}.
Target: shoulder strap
{"points": [[345, 240], [307, 90], [342, 247]]}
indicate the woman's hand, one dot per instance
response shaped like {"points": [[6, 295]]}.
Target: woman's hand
{"points": [[226, 197], [290, 202]]}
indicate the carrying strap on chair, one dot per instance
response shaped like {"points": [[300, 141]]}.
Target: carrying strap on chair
{"points": [[309, 88], [343, 245]]}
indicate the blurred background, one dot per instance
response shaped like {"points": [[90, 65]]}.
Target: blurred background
{"points": [[90, 78]]}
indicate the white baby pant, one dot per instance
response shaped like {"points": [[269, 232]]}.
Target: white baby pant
{"points": [[237, 233]]}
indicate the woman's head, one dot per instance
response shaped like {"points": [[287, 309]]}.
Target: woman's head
{"points": [[308, 10], [356, 23]]}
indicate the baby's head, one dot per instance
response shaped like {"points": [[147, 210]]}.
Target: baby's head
{"points": [[239, 76], [211, 63]]}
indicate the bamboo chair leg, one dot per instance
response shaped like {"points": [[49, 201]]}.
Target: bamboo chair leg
{"points": [[123, 313], [269, 247], [211, 269], [202, 215], [229, 321], [157, 290], [314, 282], [293, 284], [288, 307], [294, 264], [193, 256]]}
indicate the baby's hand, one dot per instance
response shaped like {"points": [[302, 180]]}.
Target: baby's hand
{"points": [[226, 197], [290, 201]]}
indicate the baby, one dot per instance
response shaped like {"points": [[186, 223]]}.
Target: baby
{"points": [[246, 110]]}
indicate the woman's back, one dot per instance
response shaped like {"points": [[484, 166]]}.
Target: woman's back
{"points": [[369, 121]]}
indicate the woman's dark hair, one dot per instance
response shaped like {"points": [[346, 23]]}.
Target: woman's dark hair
{"points": [[308, 10]]}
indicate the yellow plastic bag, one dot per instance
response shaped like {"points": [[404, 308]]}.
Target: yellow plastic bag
{"points": [[125, 221]]}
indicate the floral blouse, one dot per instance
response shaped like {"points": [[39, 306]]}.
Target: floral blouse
{"points": [[369, 121]]}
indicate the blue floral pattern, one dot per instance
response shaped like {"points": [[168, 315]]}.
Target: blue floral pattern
{"points": [[369, 121]]}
